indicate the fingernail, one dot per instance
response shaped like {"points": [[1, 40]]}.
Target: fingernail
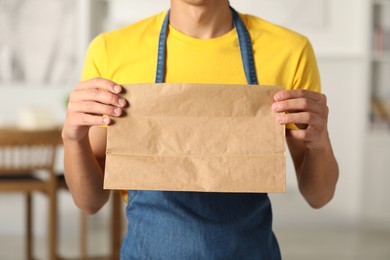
{"points": [[106, 120], [117, 111], [122, 102], [278, 96], [280, 119], [275, 106], [117, 88]]}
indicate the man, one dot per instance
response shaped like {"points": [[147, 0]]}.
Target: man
{"points": [[201, 47]]}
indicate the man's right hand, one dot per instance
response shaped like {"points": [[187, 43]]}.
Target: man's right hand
{"points": [[89, 101]]}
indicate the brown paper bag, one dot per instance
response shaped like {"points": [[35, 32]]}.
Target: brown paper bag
{"points": [[189, 137]]}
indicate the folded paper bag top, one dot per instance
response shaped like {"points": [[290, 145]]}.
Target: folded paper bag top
{"points": [[197, 137]]}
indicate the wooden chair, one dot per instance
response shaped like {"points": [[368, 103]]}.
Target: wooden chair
{"points": [[27, 160], [27, 165]]}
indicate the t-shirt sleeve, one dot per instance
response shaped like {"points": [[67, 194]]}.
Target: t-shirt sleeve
{"points": [[307, 75], [95, 62]]}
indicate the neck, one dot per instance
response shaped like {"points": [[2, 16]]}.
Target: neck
{"points": [[201, 19]]}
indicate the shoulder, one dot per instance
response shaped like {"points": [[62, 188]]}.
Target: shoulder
{"points": [[285, 53], [122, 46], [135, 32], [266, 31]]}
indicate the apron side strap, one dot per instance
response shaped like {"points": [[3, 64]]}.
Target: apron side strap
{"points": [[160, 70], [245, 49]]}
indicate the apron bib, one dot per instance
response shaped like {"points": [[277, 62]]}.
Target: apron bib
{"points": [[192, 225]]}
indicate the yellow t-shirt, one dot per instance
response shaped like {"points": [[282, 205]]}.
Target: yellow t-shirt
{"points": [[129, 55]]}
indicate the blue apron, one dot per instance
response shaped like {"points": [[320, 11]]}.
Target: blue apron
{"points": [[192, 225]]}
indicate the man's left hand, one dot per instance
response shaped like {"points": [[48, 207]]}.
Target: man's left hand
{"points": [[308, 110]]}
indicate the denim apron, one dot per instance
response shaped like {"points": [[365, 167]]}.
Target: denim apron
{"points": [[192, 225]]}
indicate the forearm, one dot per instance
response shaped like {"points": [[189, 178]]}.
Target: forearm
{"points": [[84, 176], [318, 175]]}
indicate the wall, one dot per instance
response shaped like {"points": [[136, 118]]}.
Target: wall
{"points": [[15, 98]]}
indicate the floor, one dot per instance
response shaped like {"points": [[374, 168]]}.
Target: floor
{"points": [[332, 244], [302, 244], [306, 242]]}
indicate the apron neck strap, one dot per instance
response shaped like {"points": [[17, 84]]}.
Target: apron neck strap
{"points": [[243, 38]]}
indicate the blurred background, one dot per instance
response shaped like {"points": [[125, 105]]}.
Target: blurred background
{"points": [[42, 46]]}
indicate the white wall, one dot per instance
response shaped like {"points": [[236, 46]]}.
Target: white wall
{"points": [[14, 98]]}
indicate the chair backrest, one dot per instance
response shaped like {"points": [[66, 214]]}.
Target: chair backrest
{"points": [[25, 151]]}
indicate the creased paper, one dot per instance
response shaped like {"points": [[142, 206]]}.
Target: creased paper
{"points": [[196, 137]]}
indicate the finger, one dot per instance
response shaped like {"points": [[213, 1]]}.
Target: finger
{"points": [[97, 95], [100, 83], [298, 104], [308, 136], [299, 93], [302, 135], [95, 108], [304, 118], [82, 119]]}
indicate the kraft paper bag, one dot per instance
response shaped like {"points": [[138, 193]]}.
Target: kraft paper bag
{"points": [[196, 137]]}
